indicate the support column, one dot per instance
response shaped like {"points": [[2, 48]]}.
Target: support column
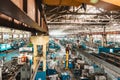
{"points": [[104, 37], [44, 56], [39, 40], [35, 53], [104, 40], [1, 34], [91, 38], [67, 60]]}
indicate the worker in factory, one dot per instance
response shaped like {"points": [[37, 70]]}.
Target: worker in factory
{"points": [[73, 54], [78, 44], [68, 48]]}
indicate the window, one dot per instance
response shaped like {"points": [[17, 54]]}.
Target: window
{"points": [[25, 5]]}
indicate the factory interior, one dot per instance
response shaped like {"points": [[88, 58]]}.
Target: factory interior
{"points": [[59, 40]]}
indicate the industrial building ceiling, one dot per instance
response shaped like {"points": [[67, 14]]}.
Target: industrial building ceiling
{"points": [[105, 4], [67, 17]]}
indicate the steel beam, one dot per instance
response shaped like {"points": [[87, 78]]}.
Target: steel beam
{"points": [[10, 24], [78, 23], [10, 9], [99, 33], [42, 13], [75, 13]]}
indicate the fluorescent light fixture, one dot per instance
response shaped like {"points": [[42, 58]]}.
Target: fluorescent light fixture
{"points": [[94, 1]]}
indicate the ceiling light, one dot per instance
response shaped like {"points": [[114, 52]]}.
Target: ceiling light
{"points": [[93, 1]]}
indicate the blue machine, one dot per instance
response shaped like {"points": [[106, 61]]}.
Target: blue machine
{"points": [[70, 65], [40, 75], [83, 45], [14, 45], [4, 47], [77, 72], [53, 45], [118, 78], [108, 50], [97, 69], [53, 55], [65, 76], [97, 41], [17, 44], [103, 49], [51, 72], [22, 43], [8, 46]]}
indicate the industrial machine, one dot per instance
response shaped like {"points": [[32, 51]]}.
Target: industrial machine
{"points": [[5, 46], [53, 46], [108, 50], [15, 44], [25, 55], [70, 64], [25, 72], [65, 76]]}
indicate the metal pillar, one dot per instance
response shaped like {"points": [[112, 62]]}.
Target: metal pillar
{"points": [[104, 37], [67, 58], [39, 40], [90, 39], [104, 40]]}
